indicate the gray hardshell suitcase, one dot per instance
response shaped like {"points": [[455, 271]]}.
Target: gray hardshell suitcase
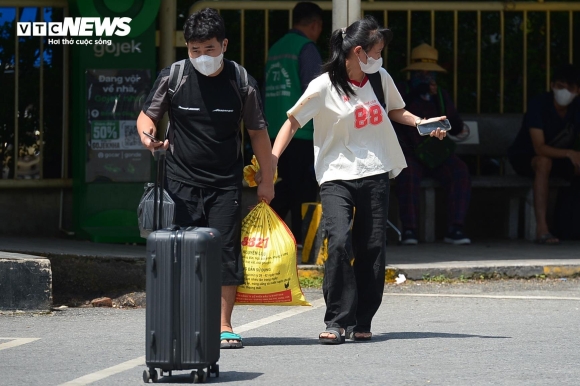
{"points": [[183, 301]]}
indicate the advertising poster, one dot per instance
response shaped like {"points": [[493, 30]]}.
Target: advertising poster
{"points": [[114, 150]]}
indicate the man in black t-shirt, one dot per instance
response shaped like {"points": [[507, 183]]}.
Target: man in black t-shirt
{"points": [[204, 164], [540, 150]]}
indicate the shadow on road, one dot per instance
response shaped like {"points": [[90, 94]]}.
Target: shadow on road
{"points": [[291, 341], [430, 335], [225, 376], [280, 341]]}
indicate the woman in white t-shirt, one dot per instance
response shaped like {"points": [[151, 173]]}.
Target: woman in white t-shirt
{"points": [[356, 152]]}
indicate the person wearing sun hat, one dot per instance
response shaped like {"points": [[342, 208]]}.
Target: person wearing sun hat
{"points": [[424, 98]]}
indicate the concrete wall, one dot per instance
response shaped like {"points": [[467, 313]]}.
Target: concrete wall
{"points": [[34, 212]]}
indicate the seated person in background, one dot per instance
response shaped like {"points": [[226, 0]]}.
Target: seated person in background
{"points": [[543, 147], [424, 98]]}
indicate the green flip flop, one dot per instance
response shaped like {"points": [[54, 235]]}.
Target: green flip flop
{"points": [[228, 335]]}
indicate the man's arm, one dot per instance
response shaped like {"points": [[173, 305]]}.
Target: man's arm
{"points": [[147, 125], [263, 152], [542, 149], [155, 106]]}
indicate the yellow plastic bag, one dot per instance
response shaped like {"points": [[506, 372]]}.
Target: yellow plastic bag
{"points": [[251, 170], [269, 256]]}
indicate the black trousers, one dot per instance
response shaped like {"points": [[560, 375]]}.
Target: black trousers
{"points": [[298, 183], [214, 208], [354, 292]]}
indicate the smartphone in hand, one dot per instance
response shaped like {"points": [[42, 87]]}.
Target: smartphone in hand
{"points": [[152, 138], [427, 128]]}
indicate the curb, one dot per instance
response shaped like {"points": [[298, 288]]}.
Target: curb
{"points": [[457, 272], [25, 282], [82, 276], [79, 277]]}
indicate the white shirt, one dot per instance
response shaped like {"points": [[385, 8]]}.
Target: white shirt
{"points": [[353, 137]]}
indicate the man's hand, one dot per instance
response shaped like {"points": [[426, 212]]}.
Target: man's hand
{"points": [[265, 191], [150, 144], [258, 176]]}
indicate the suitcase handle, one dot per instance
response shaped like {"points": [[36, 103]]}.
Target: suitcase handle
{"points": [[153, 339], [159, 189]]}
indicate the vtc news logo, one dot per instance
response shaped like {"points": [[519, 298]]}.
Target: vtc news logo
{"points": [[99, 18]]}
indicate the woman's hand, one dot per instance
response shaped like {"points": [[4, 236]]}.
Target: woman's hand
{"points": [[440, 134]]}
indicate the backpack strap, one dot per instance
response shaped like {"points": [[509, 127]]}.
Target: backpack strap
{"points": [[241, 81], [377, 86], [175, 77]]}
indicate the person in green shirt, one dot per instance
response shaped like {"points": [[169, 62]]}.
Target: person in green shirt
{"points": [[293, 61]]}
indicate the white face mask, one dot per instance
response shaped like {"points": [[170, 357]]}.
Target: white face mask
{"points": [[372, 64], [563, 96], [206, 64]]}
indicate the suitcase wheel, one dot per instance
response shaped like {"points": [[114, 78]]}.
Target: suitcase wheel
{"points": [[214, 369], [199, 376], [150, 374]]}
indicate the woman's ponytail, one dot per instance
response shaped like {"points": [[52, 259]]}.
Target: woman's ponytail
{"points": [[336, 65]]}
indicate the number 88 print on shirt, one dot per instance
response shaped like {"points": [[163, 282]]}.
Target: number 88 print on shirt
{"points": [[368, 115], [353, 136]]}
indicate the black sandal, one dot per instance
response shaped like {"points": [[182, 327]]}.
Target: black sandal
{"points": [[338, 337], [352, 335]]}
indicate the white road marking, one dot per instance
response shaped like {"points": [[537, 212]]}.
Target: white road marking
{"points": [[97, 376], [485, 296], [283, 315], [14, 342]]}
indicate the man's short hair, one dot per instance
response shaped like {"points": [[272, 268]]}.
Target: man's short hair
{"points": [[566, 73], [204, 25], [305, 13]]}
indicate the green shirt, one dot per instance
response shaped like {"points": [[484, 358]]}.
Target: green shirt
{"points": [[283, 87]]}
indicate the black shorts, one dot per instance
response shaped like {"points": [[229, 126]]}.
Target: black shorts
{"points": [[561, 167], [213, 208]]}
